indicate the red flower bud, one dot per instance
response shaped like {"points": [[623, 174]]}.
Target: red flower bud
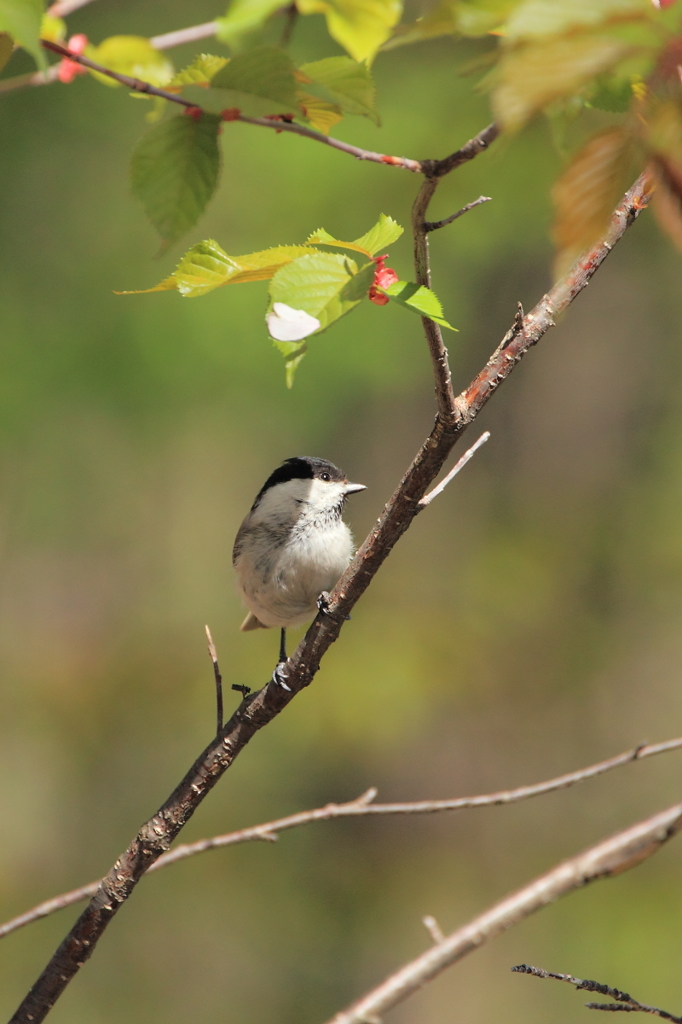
{"points": [[194, 112], [231, 114], [68, 69], [384, 277]]}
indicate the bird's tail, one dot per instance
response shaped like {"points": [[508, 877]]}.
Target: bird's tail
{"points": [[251, 622]]}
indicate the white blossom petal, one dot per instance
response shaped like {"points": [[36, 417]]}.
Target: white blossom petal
{"points": [[288, 324]]}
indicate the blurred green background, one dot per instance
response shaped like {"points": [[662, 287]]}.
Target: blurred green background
{"points": [[527, 625]]}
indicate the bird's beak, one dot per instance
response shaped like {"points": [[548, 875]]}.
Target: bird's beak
{"points": [[354, 488]]}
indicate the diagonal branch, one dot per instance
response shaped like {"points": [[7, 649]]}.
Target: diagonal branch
{"points": [[361, 807], [138, 85], [610, 857], [257, 710], [624, 1001]]}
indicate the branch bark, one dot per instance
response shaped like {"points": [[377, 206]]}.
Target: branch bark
{"points": [[612, 856], [361, 807], [257, 710]]}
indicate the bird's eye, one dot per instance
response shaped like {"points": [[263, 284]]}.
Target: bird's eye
{"points": [[325, 476]]}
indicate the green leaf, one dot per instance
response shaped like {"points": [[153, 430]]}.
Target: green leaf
{"points": [[22, 19], [243, 18], [441, 21], [530, 77], [347, 82], [265, 71], [385, 232], [418, 299], [6, 48], [206, 266], [316, 283], [360, 26], [174, 172], [536, 19], [293, 352], [130, 55], [199, 72]]}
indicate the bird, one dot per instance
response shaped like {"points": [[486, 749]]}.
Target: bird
{"points": [[293, 546]]}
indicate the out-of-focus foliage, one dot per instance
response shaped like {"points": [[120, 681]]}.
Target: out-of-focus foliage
{"points": [[605, 72], [527, 624], [22, 20]]}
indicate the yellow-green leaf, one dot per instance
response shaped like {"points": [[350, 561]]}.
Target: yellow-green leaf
{"points": [[243, 18], [53, 28], [441, 21], [384, 232], [530, 77], [206, 266], [321, 114], [22, 19], [347, 83], [589, 189], [266, 71], [130, 55], [199, 72], [360, 26]]}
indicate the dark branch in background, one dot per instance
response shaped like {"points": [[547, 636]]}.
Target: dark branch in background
{"points": [[624, 1001], [612, 856], [361, 807], [137, 85], [434, 225], [257, 710], [290, 13]]}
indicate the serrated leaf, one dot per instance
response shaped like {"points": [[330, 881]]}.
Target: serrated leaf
{"points": [[174, 172], [347, 82], [6, 48], [587, 191], [385, 232], [207, 266], [530, 77], [244, 17], [266, 71], [321, 114], [315, 283], [22, 19], [536, 19], [199, 72], [360, 26], [130, 55], [418, 299]]}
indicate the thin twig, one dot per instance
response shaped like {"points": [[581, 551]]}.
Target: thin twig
{"points": [[612, 856], [624, 1001], [362, 806], [428, 498], [62, 8], [434, 225], [157, 834], [184, 35], [218, 679], [264, 122], [50, 74]]}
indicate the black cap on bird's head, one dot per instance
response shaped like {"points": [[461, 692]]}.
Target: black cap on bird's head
{"points": [[307, 467]]}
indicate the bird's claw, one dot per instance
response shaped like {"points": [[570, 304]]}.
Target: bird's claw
{"points": [[279, 676], [323, 603]]}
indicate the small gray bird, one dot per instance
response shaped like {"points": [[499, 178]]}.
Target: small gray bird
{"points": [[293, 545]]}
